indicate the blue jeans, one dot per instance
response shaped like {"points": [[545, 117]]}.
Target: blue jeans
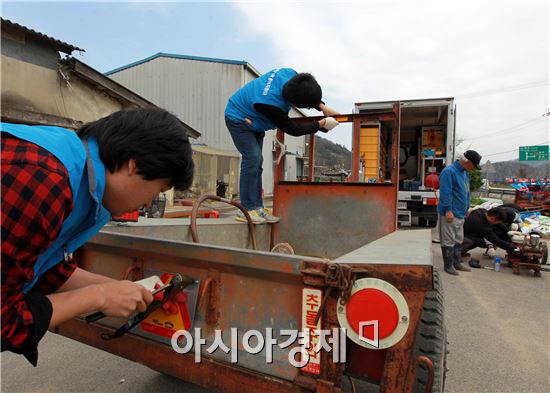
{"points": [[249, 143]]}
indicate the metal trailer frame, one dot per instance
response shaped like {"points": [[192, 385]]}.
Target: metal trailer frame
{"points": [[254, 290]]}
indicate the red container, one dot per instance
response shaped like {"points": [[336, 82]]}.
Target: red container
{"points": [[128, 217]]}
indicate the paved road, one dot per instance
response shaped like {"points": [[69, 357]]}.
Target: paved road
{"points": [[498, 328]]}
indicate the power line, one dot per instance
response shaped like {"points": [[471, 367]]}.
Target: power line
{"points": [[516, 149], [507, 89], [510, 129]]}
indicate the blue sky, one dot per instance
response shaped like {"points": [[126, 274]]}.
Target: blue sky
{"points": [[115, 34], [492, 56]]}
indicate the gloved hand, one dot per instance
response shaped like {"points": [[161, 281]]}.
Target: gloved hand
{"points": [[514, 227], [330, 123], [491, 251]]}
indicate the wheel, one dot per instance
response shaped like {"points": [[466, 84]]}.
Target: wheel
{"points": [[431, 340]]}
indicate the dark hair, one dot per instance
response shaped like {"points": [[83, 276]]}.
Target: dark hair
{"points": [[154, 138], [498, 213], [303, 91]]}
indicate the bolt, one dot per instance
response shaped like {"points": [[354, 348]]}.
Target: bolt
{"points": [[340, 309], [404, 318]]}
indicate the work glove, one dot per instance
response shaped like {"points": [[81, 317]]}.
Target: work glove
{"points": [[514, 227], [491, 251], [330, 123]]}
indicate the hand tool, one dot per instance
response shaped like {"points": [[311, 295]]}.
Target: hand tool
{"points": [[177, 284], [99, 315]]}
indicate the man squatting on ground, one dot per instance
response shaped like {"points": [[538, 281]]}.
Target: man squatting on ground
{"points": [[263, 104], [58, 189], [479, 228], [454, 202]]}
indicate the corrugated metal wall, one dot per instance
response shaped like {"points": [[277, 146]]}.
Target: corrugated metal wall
{"points": [[196, 91]]}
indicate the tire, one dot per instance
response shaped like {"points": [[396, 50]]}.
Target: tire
{"points": [[431, 340], [544, 258]]}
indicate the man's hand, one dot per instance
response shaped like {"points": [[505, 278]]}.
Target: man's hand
{"points": [[491, 251], [124, 298], [113, 298], [327, 110], [449, 216], [328, 123]]}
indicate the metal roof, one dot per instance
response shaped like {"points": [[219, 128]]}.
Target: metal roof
{"points": [[184, 57], [213, 151], [59, 45], [115, 89]]}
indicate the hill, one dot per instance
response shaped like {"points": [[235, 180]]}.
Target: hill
{"points": [[335, 156], [516, 168], [331, 155]]}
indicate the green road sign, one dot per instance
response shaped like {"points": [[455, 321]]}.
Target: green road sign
{"points": [[533, 153]]}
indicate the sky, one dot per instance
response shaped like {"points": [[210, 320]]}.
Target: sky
{"points": [[492, 56]]}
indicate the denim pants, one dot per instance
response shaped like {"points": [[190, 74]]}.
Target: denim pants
{"points": [[249, 143]]}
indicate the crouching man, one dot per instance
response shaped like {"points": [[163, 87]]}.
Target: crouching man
{"points": [[479, 228]]}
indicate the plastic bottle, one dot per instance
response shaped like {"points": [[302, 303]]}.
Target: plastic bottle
{"points": [[497, 264]]}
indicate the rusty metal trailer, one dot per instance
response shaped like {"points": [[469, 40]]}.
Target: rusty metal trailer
{"points": [[350, 269]]}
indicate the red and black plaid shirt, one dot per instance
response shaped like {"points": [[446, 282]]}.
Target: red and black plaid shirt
{"points": [[36, 199]]}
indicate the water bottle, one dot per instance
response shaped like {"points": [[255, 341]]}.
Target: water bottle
{"points": [[497, 264]]}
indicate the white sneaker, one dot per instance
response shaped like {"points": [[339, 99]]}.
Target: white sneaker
{"points": [[267, 216], [254, 216]]}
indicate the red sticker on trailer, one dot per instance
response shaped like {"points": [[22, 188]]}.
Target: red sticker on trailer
{"points": [[311, 304]]}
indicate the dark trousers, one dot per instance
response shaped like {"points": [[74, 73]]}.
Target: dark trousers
{"points": [[471, 242]]}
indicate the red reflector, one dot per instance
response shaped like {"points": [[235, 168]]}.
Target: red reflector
{"points": [[372, 305]]}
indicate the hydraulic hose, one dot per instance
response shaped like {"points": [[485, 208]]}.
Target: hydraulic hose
{"points": [[203, 198]]}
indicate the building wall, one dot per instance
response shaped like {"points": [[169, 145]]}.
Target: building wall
{"points": [[197, 92], [31, 81]]}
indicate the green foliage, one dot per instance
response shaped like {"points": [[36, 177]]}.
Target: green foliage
{"points": [[475, 180]]}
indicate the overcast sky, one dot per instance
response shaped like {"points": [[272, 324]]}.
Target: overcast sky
{"points": [[492, 56]]}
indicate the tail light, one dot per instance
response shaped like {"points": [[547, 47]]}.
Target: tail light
{"points": [[376, 315]]}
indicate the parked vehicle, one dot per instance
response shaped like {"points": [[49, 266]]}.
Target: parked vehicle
{"points": [[426, 146], [340, 264]]}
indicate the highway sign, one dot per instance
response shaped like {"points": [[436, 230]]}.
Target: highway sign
{"points": [[533, 153]]}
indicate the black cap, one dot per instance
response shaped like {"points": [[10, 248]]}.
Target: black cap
{"points": [[474, 157]]}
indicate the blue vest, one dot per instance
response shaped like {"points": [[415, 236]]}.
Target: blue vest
{"points": [[87, 181], [267, 89]]}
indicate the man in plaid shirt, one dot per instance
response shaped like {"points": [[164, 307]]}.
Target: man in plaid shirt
{"points": [[58, 190]]}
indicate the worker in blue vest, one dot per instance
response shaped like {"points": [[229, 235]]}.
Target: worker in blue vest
{"points": [[263, 104], [59, 188]]}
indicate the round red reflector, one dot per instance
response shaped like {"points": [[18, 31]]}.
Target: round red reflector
{"points": [[372, 305]]}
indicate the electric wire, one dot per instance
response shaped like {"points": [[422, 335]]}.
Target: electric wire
{"points": [[511, 129], [507, 89], [516, 149]]}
